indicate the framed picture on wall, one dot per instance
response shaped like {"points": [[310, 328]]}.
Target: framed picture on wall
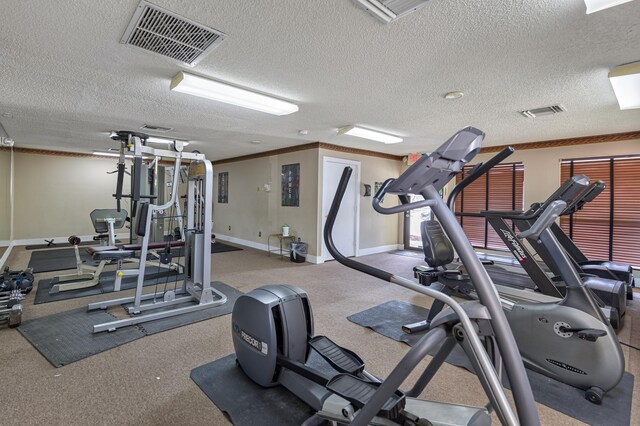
{"points": [[291, 185], [223, 187]]}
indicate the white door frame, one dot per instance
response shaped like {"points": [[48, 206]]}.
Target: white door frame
{"points": [[356, 177]]}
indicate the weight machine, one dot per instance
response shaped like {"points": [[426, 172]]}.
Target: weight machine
{"points": [[196, 288]]}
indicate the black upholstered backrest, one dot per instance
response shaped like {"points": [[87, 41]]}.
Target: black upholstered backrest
{"points": [[438, 250]]}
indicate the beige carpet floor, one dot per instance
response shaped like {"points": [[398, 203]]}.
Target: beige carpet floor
{"points": [[146, 382]]}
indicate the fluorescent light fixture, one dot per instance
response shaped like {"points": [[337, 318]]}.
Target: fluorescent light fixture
{"points": [[598, 5], [221, 92], [110, 154], [156, 139], [377, 9], [625, 80], [369, 134]]}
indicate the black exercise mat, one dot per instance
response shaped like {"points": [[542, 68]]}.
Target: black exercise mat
{"points": [[59, 245], [216, 247], [389, 317], [67, 337], [193, 317], [243, 401], [58, 260], [106, 285], [219, 247]]}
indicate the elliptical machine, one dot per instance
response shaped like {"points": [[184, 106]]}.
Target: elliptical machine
{"points": [[586, 352], [272, 328]]}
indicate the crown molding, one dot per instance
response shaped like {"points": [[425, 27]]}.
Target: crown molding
{"points": [[555, 143], [312, 145]]}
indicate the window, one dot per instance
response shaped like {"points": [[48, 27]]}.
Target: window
{"points": [[500, 189], [609, 226]]}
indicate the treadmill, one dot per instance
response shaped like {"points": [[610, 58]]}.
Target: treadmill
{"points": [[602, 268]]}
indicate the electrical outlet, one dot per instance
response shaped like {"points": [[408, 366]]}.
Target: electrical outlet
{"points": [[259, 234], [229, 227]]}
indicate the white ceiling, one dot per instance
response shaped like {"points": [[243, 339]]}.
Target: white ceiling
{"points": [[66, 79]]}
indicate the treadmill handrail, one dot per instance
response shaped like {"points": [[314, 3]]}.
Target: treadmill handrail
{"points": [[546, 219]]}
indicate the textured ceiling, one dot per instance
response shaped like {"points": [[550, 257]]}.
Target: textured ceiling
{"points": [[66, 79]]}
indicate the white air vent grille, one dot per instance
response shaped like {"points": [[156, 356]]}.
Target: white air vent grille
{"points": [[541, 112], [159, 129], [390, 10], [162, 32]]}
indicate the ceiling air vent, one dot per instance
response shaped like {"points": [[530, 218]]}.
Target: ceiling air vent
{"points": [[541, 112], [164, 33], [390, 10], [159, 129]]}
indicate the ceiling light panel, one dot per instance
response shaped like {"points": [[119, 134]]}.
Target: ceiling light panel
{"points": [[598, 5], [390, 10], [373, 135], [625, 81], [221, 92], [165, 33]]}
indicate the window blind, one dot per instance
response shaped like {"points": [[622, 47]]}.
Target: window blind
{"points": [[500, 189], [608, 228]]}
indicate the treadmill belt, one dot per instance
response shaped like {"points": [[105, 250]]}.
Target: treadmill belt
{"points": [[501, 276]]}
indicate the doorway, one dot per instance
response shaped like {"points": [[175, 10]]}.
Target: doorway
{"points": [[412, 221], [347, 225]]}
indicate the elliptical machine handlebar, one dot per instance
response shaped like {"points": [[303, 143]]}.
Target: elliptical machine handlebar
{"points": [[328, 231], [476, 172], [405, 206]]}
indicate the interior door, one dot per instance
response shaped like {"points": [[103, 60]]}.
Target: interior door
{"points": [[345, 228]]}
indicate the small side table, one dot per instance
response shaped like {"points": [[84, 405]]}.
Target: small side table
{"points": [[281, 239]]}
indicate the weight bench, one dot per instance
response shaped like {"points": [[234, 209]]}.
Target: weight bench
{"points": [[127, 251], [103, 220]]}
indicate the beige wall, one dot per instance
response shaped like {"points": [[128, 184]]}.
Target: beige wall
{"points": [[376, 230], [542, 166], [5, 207], [251, 210], [54, 194]]}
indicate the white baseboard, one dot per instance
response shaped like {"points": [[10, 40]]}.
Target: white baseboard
{"points": [[6, 254], [5, 243], [260, 246], [379, 249], [252, 244]]}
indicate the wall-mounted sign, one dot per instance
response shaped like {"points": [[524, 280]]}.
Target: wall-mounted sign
{"points": [[223, 187], [291, 185]]}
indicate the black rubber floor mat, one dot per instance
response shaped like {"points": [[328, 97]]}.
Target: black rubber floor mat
{"points": [[67, 337], [388, 318], [219, 247], [193, 317], [106, 285], [57, 260], [243, 401], [58, 245]]}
